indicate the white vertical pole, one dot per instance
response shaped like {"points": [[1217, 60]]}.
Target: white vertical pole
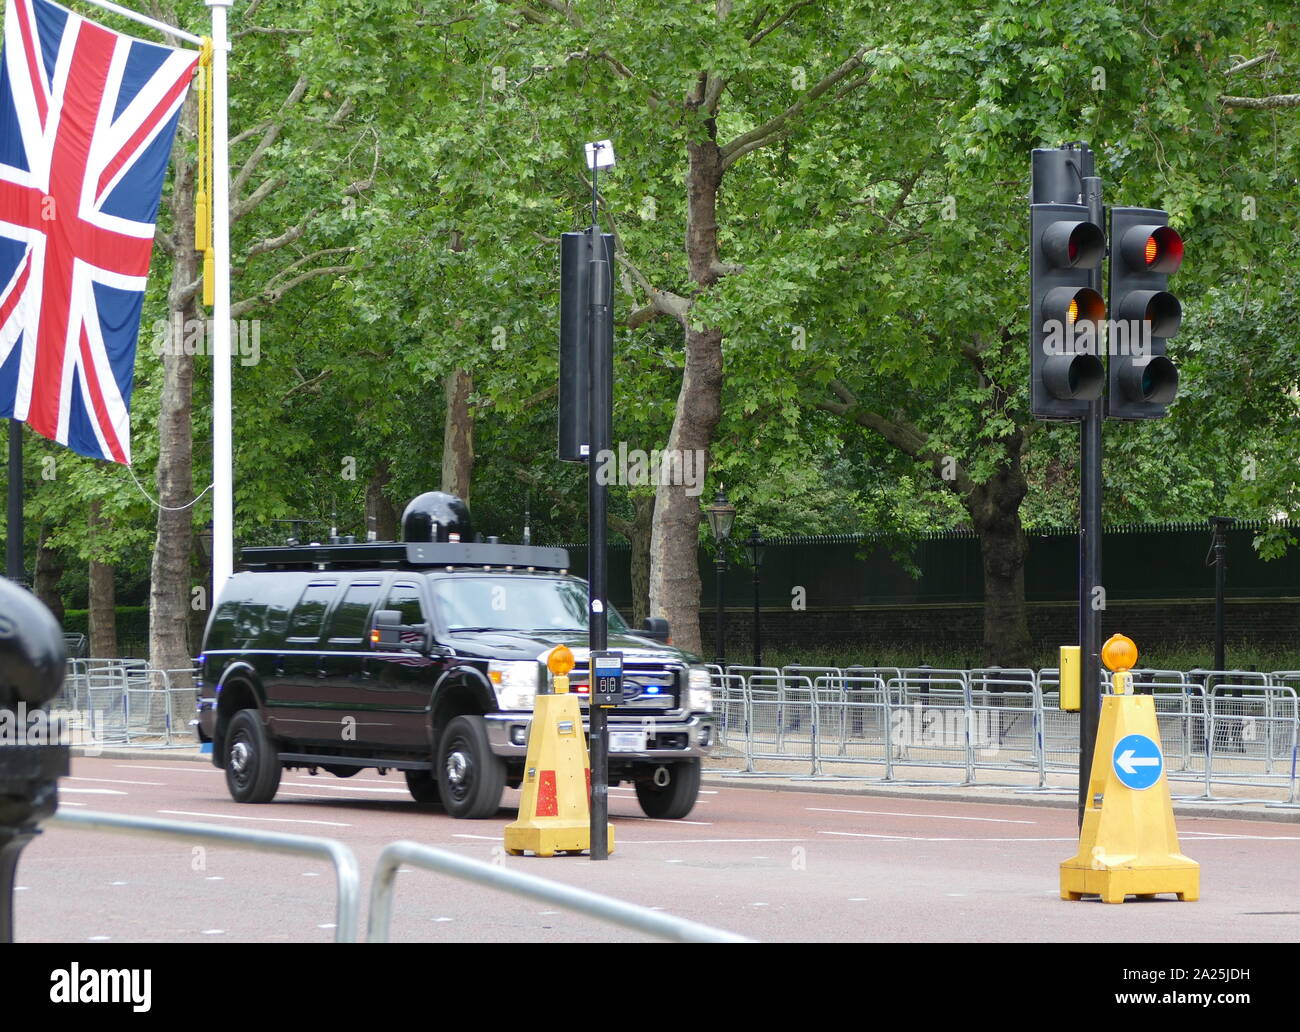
{"points": [[223, 491]]}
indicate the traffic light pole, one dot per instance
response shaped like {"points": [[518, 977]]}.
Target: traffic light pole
{"points": [[600, 411], [1091, 600]]}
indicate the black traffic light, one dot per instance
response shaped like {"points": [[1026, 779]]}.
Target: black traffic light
{"points": [[1144, 252], [1066, 313], [575, 300]]}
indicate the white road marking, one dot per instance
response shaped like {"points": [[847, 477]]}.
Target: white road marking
{"points": [[672, 861], [317, 795], [650, 842], [925, 838], [214, 931], [94, 791], [330, 779], [311, 874], [1221, 836], [347, 788], [700, 841], [192, 768], [215, 877], [927, 816], [65, 802], [328, 924], [118, 781], [98, 938], [235, 817], [758, 904], [117, 883], [440, 919], [665, 820]]}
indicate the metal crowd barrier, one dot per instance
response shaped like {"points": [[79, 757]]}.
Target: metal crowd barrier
{"points": [[346, 873], [1236, 728], [394, 855], [494, 876], [127, 702]]}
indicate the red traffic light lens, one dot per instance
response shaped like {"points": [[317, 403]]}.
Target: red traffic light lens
{"points": [[1154, 248], [1074, 245], [1164, 250]]}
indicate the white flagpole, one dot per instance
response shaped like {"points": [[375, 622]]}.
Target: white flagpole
{"points": [[126, 12], [223, 494]]}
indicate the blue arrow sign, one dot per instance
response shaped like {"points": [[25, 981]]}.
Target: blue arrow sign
{"points": [[1138, 762]]}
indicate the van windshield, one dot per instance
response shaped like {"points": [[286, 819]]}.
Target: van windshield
{"points": [[515, 604]]}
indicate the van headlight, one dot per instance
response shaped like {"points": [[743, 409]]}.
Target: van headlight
{"points": [[701, 690], [516, 683]]}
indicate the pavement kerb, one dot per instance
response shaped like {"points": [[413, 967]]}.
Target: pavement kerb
{"points": [[1000, 795]]}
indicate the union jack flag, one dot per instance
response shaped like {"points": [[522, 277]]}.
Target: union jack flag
{"points": [[87, 119]]}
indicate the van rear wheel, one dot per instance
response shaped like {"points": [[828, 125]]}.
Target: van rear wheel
{"points": [[252, 764]]}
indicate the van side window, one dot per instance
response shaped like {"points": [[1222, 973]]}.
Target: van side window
{"points": [[405, 598], [310, 611], [350, 621], [249, 620]]}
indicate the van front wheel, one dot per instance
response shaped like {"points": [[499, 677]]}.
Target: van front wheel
{"points": [[470, 776]]}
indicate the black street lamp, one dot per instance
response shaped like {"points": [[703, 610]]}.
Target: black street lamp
{"points": [[722, 514], [754, 546]]}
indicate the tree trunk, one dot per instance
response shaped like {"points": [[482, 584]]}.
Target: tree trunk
{"points": [[640, 541], [103, 599], [49, 571], [169, 587], [381, 517], [674, 540], [458, 435], [994, 507]]}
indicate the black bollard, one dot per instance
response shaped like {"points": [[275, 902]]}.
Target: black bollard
{"points": [[31, 674]]}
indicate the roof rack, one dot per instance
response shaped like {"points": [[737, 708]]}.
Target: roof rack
{"points": [[404, 555]]}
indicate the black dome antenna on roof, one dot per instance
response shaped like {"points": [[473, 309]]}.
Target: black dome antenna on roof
{"points": [[437, 516]]}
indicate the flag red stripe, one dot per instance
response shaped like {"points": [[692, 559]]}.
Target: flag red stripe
{"points": [[16, 295], [129, 148], [97, 399], [34, 64]]}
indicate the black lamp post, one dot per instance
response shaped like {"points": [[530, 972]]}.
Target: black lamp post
{"points": [[722, 514], [754, 546], [1219, 551]]}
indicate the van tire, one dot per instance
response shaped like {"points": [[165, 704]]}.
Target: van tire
{"points": [[674, 800], [470, 776]]}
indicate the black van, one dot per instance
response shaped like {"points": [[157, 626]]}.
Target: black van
{"points": [[424, 657]]}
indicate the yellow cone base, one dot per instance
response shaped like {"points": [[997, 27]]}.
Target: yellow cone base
{"points": [[1114, 884], [554, 801], [1128, 845], [546, 836]]}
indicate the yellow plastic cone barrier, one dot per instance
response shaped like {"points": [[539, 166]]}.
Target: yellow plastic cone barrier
{"points": [[1128, 845], [554, 810]]}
